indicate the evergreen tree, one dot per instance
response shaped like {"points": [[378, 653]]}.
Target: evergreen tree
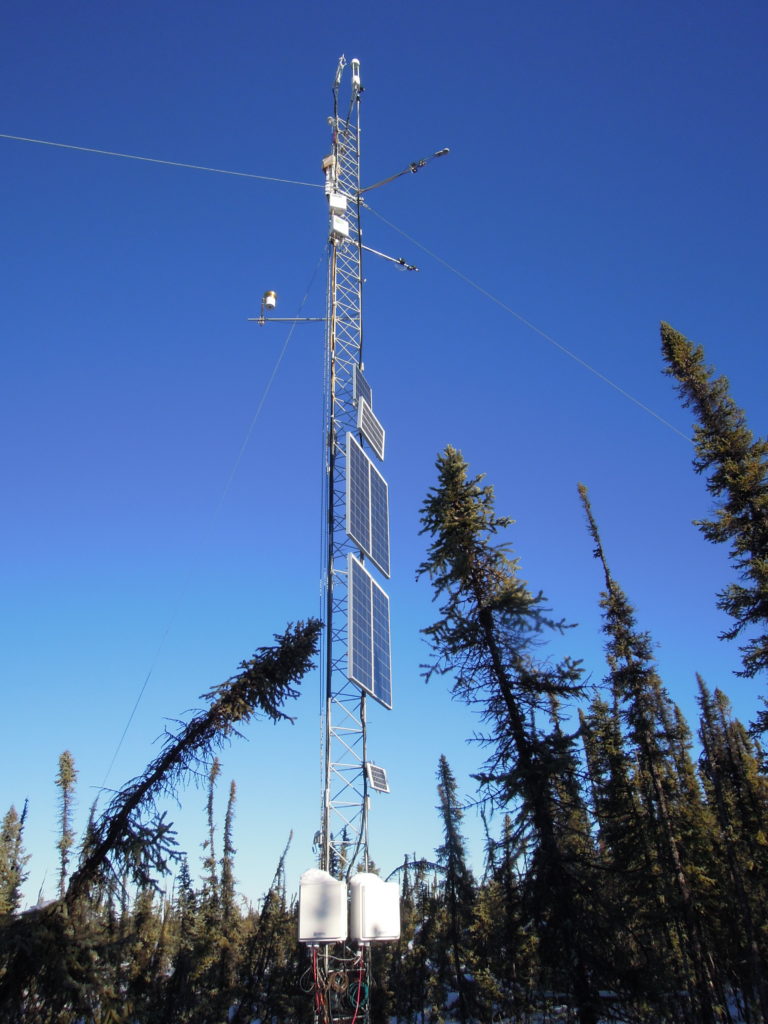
{"points": [[123, 835], [673, 810], [269, 967], [144, 958], [418, 977], [428, 948], [504, 947], [227, 928], [227, 881], [640, 933], [615, 805], [489, 627], [65, 780], [210, 872], [180, 992], [401, 974], [738, 796], [737, 468], [51, 958], [12, 860], [458, 887]]}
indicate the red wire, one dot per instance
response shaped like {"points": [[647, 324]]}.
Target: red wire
{"points": [[359, 990], [316, 986]]}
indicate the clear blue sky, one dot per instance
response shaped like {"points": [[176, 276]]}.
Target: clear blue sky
{"points": [[607, 171]]}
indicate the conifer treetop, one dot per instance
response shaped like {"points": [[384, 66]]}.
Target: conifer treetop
{"points": [[737, 466], [473, 573]]}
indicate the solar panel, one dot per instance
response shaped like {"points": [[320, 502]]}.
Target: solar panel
{"points": [[358, 495], [367, 506], [377, 777], [360, 669], [371, 429], [379, 521], [362, 389], [369, 658], [382, 670]]}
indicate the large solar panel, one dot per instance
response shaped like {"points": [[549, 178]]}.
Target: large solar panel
{"points": [[382, 671], [360, 668], [369, 658], [362, 389], [367, 506], [379, 521], [358, 495], [371, 429]]}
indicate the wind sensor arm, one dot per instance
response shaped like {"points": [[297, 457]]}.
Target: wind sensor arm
{"points": [[392, 259], [412, 168]]}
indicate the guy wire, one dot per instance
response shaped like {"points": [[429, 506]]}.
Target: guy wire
{"points": [[530, 325], [211, 519], [155, 160]]}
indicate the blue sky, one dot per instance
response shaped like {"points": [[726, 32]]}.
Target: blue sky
{"points": [[162, 516]]}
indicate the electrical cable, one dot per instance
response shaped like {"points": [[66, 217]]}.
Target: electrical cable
{"points": [[212, 518], [155, 160], [359, 991], [530, 325]]}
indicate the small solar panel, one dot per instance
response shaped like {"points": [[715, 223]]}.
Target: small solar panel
{"points": [[362, 389], [377, 777], [369, 655], [371, 429], [367, 506]]}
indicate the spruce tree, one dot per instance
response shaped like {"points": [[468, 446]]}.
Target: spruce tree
{"points": [[179, 992], [737, 468], [458, 886], [673, 811], [428, 948], [504, 946], [65, 780], [489, 627], [50, 956], [417, 994], [227, 880], [210, 873], [405, 1005], [628, 864], [143, 955], [231, 923], [131, 832], [738, 796], [12, 860], [269, 968]]}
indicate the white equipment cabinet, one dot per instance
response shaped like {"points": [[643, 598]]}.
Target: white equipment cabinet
{"points": [[322, 907], [374, 911]]}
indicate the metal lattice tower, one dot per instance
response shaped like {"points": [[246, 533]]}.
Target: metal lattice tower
{"points": [[356, 659], [344, 835], [342, 915]]}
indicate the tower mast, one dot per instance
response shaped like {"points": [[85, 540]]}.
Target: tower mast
{"points": [[337, 909], [344, 832]]}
